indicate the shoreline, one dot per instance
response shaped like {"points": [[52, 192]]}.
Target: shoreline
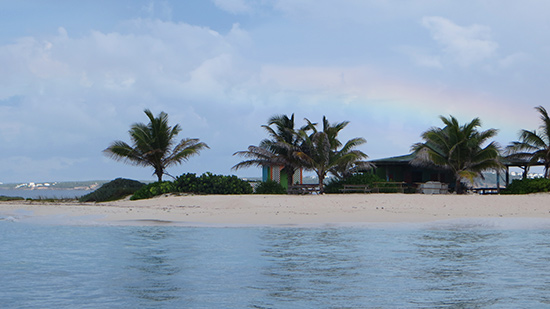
{"points": [[284, 210]]}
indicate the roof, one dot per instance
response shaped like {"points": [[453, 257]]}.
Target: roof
{"points": [[518, 162], [405, 159]]}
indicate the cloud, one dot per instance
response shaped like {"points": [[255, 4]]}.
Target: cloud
{"points": [[66, 95], [234, 6], [74, 95], [466, 45], [156, 9]]}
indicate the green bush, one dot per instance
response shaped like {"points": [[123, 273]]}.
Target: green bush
{"points": [[154, 189], [526, 186], [187, 183], [209, 183], [335, 185], [219, 184], [270, 187], [114, 190]]}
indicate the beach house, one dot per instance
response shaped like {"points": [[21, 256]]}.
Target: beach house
{"points": [[278, 174], [400, 169]]}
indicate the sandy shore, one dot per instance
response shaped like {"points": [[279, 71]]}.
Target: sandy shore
{"points": [[289, 210]]}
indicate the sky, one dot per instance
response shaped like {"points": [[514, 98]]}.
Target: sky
{"points": [[75, 75]]}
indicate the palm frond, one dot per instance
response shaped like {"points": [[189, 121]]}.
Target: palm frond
{"points": [[152, 143], [459, 148]]}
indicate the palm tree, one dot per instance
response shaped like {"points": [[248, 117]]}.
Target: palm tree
{"points": [[534, 147], [279, 150], [322, 152], [152, 145], [459, 148]]}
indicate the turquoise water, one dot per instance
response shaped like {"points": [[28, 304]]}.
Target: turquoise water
{"points": [[461, 264]]}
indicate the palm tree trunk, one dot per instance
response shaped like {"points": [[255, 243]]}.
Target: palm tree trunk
{"points": [[289, 177], [525, 171], [159, 175], [321, 176], [458, 186]]}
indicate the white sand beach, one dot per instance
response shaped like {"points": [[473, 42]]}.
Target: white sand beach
{"points": [[292, 210]]}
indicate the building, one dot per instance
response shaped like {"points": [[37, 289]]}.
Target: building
{"points": [[278, 174], [400, 169]]}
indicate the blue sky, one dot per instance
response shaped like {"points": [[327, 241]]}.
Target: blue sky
{"points": [[77, 74]]}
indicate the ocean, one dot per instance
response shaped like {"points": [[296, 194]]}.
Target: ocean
{"points": [[44, 193], [459, 264]]}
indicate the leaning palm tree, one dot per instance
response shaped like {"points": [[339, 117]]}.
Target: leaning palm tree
{"points": [[323, 153], [279, 149], [459, 148], [152, 145], [533, 147]]}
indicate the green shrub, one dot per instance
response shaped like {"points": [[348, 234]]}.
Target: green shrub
{"points": [[187, 183], [335, 185], [154, 189], [270, 187], [526, 186], [114, 190], [209, 183], [220, 184]]}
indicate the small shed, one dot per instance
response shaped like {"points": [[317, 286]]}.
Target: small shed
{"points": [[278, 174]]}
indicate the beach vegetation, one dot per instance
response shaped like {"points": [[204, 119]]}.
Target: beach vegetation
{"points": [[335, 184], [463, 149], [533, 147], [269, 187], [278, 150], [113, 190], [209, 183], [188, 182], [206, 183], [528, 185], [309, 148], [154, 189], [155, 145], [322, 152]]}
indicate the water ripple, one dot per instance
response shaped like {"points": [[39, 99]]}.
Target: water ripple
{"points": [[339, 267]]}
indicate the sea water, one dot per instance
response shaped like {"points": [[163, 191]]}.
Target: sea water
{"points": [[455, 264], [44, 193]]}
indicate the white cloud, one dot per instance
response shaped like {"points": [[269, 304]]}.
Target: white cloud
{"points": [[75, 94], [466, 45]]}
